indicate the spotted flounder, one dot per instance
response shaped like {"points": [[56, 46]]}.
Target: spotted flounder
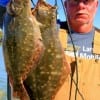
{"points": [[52, 69], [22, 45]]}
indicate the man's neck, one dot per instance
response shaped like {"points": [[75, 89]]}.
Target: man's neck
{"points": [[81, 28]]}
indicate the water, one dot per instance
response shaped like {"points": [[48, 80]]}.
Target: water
{"points": [[3, 77]]}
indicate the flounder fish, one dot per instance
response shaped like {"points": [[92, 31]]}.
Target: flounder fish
{"points": [[52, 70], [1, 37], [22, 45]]}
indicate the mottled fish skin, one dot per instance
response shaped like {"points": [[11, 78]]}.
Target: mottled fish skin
{"points": [[22, 45], [53, 69], [1, 37]]}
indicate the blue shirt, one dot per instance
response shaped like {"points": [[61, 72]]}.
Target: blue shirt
{"points": [[83, 44], [82, 41], [4, 3]]}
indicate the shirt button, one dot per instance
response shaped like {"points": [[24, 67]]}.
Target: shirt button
{"points": [[98, 84], [96, 60], [80, 60], [83, 83]]}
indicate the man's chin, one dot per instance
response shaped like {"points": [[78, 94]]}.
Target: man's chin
{"points": [[80, 22]]}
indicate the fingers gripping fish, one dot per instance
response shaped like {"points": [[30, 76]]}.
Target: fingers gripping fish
{"points": [[22, 45], [52, 69]]}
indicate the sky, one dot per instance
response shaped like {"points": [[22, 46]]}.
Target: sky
{"points": [[97, 17], [62, 15]]}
